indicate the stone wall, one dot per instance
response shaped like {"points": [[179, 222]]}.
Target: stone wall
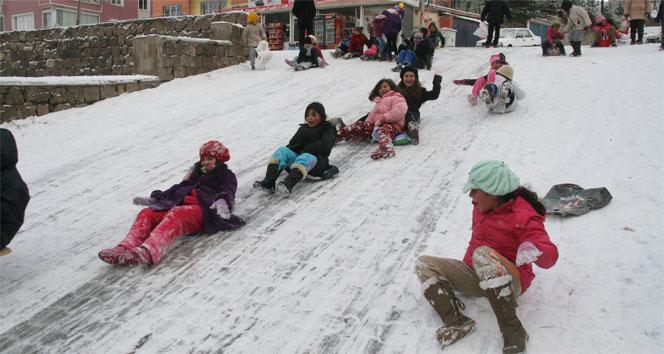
{"points": [[170, 57], [101, 49], [20, 99]]}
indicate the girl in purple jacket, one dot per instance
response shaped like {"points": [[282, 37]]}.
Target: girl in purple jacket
{"points": [[508, 236], [203, 201]]}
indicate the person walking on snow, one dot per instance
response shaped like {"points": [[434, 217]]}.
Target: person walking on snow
{"points": [[578, 22], [203, 201], [411, 87], [495, 62], [383, 122], [394, 18], [637, 12], [508, 236], [494, 12], [307, 153], [502, 95], [15, 194], [305, 11], [251, 35]]}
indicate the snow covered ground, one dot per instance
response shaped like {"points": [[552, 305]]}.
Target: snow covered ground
{"points": [[330, 269]]}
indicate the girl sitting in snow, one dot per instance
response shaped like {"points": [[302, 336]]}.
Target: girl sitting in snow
{"points": [[508, 235], [342, 46], [496, 61], [383, 122], [416, 95], [203, 201], [553, 44], [308, 58], [306, 153], [502, 95]]}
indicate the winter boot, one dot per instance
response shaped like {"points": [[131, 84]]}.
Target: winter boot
{"points": [[286, 186], [5, 251], [142, 255], [414, 132], [455, 325], [270, 178], [116, 255], [503, 303], [385, 148]]}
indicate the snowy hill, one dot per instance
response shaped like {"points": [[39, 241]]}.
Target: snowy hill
{"points": [[330, 269]]}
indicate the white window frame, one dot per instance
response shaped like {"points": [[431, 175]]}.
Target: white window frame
{"points": [[14, 17], [170, 10], [54, 14], [53, 19], [116, 2], [147, 5]]}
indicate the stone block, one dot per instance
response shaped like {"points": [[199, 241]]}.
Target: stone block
{"points": [[42, 109], [75, 95], [60, 107], [37, 94], [132, 86], [106, 91], [91, 94], [29, 109], [14, 96], [58, 95]]}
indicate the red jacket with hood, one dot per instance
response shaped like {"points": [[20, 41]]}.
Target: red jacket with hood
{"points": [[505, 228]]}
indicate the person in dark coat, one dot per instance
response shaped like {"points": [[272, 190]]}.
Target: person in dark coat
{"points": [[307, 153], [391, 29], [15, 194], [308, 57], [305, 11], [203, 201], [494, 12], [416, 95]]}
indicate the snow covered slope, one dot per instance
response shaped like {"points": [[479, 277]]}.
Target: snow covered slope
{"points": [[330, 269]]}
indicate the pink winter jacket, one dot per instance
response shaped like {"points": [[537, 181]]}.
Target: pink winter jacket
{"points": [[390, 108], [505, 228]]}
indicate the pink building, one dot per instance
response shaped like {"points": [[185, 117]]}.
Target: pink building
{"points": [[23, 15]]}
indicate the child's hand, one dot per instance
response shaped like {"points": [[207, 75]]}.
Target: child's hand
{"points": [[222, 209], [527, 253]]}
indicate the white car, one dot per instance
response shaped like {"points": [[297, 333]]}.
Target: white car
{"points": [[516, 37]]}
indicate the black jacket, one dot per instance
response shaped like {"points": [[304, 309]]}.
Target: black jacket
{"points": [[308, 56], [415, 103], [304, 10], [14, 195], [424, 53], [317, 141], [494, 10]]}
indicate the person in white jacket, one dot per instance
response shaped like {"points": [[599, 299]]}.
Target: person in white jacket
{"points": [[251, 35], [578, 22], [502, 95]]}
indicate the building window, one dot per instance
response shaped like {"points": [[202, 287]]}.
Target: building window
{"points": [[116, 2], [92, 1], [210, 6], [2, 24], [23, 22], [143, 4], [173, 10], [63, 18]]}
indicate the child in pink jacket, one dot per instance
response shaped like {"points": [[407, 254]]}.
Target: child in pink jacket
{"points": [[383, 122], [508, 236], [496, 61]]}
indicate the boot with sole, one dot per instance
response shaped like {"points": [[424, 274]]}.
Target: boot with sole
{"points": [[268, 183], [503, 303], [456, 326], [285, 187]]}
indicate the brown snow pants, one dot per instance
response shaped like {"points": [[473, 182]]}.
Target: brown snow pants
{"points": [[462, 277]]}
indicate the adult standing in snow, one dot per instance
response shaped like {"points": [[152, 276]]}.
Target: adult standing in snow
{"points": [[15, 194], [508, 235], [305, 11], [392, 28], [578, 22], [660, 19], [494, 12], [203, 201], [636, 10]]}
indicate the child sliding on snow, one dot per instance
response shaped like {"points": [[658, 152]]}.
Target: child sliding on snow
{"points": [[383, 122], [203, 201], [502, 95], [415, 96], [508, 236], [496, 61], [306, 153]]}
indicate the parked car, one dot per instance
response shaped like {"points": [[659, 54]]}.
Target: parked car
{"points": [[516, 37]]}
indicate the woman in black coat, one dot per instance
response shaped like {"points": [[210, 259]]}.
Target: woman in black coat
{"points": [[305, 11], [15, 194]]}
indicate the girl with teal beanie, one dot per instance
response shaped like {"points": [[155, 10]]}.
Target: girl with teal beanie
{"points": [[508, 235]]}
